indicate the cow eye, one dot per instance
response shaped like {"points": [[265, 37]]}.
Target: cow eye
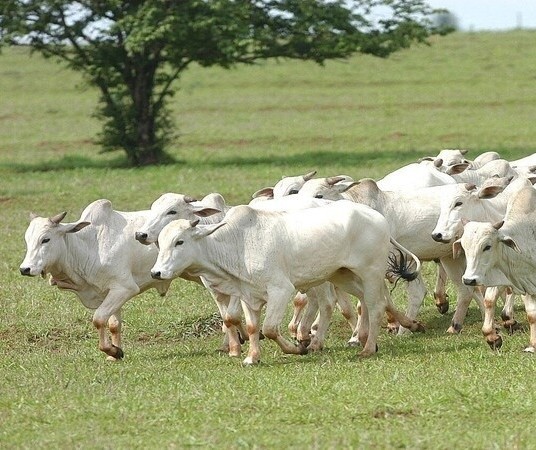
{"points": [[45, 240], [293, 191], [486, 248], [458, 204], [172, 212], [179, 242], [319, 196]]}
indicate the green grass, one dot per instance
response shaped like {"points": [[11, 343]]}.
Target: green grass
{"points": [[241, 130]]}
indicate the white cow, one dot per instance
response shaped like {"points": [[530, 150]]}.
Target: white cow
{"points": [[412, 216], [414, 176], [97, 258], [484, 204], [321, 298], [285, 186], [504, 254], [447, 157], [263, 257], [171, 206]]}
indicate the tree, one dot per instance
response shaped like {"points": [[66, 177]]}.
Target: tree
{"points": [[133, 51]]}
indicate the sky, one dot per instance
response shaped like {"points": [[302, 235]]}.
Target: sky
{"points": [[480, 15]]}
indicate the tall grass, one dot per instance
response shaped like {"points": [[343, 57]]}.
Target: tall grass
{"points": [[241, 130]]}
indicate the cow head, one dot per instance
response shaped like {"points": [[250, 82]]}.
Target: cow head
{"points": [[165, 209], [45, 242], [177, 244], [483, 244]]}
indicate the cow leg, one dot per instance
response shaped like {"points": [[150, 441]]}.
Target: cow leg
{"points": [[304, 330], [530, 309], [440, 291], [507, 313], [326, 299], [112, 303], [222, 303], [300, 301], [489, 330], [354, 340], [253, 326], [231, 319], [278, 298], [454, 270], [346, 305], [416, 293], [374, 296], [114, 325]]}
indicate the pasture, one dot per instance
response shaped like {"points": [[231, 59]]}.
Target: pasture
{"points": [[241, 130]]}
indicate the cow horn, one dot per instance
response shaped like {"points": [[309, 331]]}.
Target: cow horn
{"points": [[189, 199], [333, 180], [498, 225], [58, 218], [464, 151], [194, 223], [33, 215], [309, 175], [470, 186]]}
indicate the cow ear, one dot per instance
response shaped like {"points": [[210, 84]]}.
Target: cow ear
{"points": [[264, 192], [490, 192], [205, 212], [510, 243], [205, 230], [457, 168], [75, 227], [457, 249]]}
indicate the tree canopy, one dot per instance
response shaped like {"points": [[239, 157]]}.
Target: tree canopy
{"points": [[134, 51]]}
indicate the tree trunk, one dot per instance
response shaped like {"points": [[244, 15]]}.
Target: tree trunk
{"points": [[148, 148]]}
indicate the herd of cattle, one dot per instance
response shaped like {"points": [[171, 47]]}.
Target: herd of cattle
{"points": [[317, 239]]}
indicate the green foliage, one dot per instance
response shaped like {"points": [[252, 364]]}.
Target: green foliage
{"points": [[133, 51]]}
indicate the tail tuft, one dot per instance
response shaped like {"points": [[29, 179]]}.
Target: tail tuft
{"points": [[399, 268]]}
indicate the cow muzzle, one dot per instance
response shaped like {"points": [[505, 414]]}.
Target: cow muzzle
{"points": [[26, 271], [469, 281], [438, 237], [156, 274], [141, 237]]}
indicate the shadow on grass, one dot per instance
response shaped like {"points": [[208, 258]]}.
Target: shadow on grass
{"points": [[309, 159], [314, 159]]}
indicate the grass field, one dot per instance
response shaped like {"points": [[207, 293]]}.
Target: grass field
{"points": [[238, 131]]}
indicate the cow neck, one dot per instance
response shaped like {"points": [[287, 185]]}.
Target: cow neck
{"points": [[67, 273]]}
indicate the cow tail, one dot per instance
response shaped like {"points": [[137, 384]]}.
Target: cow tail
{"points": [[400, 267]]}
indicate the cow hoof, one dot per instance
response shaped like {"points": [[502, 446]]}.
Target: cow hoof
{"points": [[511, 326], [353, 343], [315, 347], [455, 328], [529, 349], [392, 328], [404, 331], [443, 308], [117, 352], [495, 343], [367, 353], [249, 361], [419, 327], [302, 350]]}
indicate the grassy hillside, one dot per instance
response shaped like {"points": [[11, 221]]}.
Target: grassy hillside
{"points": [[240, 130]]}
